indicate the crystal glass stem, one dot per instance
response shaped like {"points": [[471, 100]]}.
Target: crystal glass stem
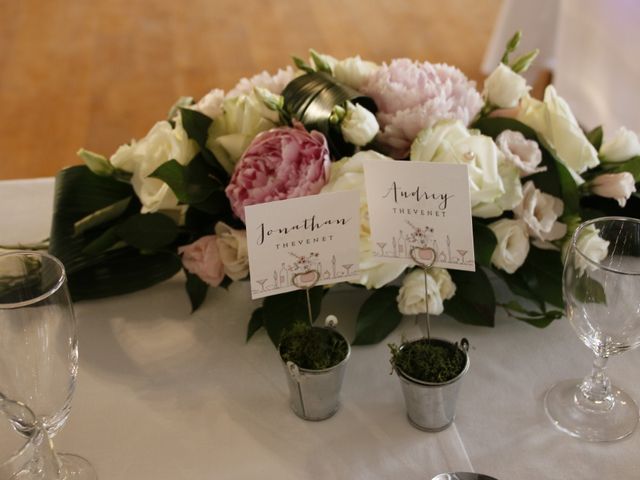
{"points": [[595, 392]]}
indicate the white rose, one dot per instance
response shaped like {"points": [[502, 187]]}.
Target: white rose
{"points": [[504, 88], [348, 174], [232, 246], [359, 125], [411, 298], [619, 186], [621, 147], [242, 118], [142, 158], [590, 244], [211, 104], [451, 142], [524, 154], [354, 72], [513, 244], [559, 129], [540, 212]]}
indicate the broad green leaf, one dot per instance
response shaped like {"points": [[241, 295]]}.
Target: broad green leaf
{"points": [[494, 126], [539, 319], [121, 271], [595, 137], [196, 289], [484, 243], [518, 286], [632, 166], [191, 184], [256, 322], [101, 216], [588, 290], [197, 125], [474, 301], [179, 103], [281, 312], [570, 194], [108, 239], [542, 272], [148, 231], [378, 316]]}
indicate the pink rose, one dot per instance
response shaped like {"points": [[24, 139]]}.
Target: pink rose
{"points": [[202, 258], [279, 164]]}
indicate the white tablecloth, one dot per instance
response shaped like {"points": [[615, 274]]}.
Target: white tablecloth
{"points": [[163, 394]]}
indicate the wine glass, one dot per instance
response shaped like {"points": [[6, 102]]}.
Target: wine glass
{"points": [[29, 457], [38, 344], [601, 284]]}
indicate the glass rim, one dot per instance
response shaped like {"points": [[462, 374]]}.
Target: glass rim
{"points": [[54, 288], [583, 225]]}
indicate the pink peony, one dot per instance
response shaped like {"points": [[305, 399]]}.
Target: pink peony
{"points": [[202, 258], [273, 83], [278, 164], [412, 96]]}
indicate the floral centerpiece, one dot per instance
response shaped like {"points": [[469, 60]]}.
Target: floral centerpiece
{"points": [[174, 200]]}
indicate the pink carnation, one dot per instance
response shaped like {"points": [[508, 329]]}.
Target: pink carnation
{"points": [[280, 163], [412, 96], [202, 258], [273, 83]]}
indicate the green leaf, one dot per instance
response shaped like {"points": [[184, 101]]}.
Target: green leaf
{"points": [[539, 319], [570, 194], [148, 231], [474, 301], [542, 272], [191, 184], [484, 243], [494, 126], [121, 271], [595, 137], [632, 166], [97, 163], [196, 289], [282, 311], [197, 125], [256, 322], [378, 316], [101, 216], [106, 240], [588, 290]]}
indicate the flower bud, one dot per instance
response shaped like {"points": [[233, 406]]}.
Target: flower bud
{"points": [[619, 186], [359, 125], [621, 147], [504, 88]]}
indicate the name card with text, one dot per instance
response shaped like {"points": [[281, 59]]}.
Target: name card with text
{"points": [[418, 206], [303, 241]]}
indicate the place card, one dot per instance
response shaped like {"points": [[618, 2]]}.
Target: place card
{"points": [[416, 206], [291, 240]]}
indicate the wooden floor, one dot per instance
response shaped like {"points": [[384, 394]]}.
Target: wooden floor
{"points": [[97, 73]]}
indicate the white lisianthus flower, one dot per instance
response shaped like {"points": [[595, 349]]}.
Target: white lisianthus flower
{"points": [[353, 71], [621, 147], [348, 174], [559, 130], [232, 246], [242, 118], [590, 244], [411, 297], [513, 244], [211, 104], [504, 88], [493, 183], [143, 157], [524, 154], [540, 212], [359, 125], [619, 186]]}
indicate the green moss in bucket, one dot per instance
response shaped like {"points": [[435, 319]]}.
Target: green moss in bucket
{"points": [[433, 362], [313, 348]]}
